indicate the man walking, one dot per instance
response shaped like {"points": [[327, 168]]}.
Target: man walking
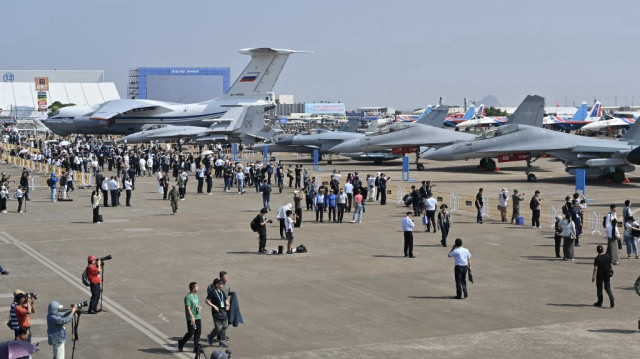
{"points": [[407, 227], [444, 222], [219, 303], [462, 258], [174, 197], [602, 269], [192, 312]]}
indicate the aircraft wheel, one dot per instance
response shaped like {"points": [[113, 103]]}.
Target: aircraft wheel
{"points": [[457, 129], [618, 176], [377, 161], [490, 165], [531, 177], [483, 162], [329, 162], [420, 167]]}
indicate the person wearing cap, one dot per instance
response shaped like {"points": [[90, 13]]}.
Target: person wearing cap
{"points": [[93, 273], [25, 306], [219, 303], [56, 333], [503, 199], [602, 266], [515, 210]]}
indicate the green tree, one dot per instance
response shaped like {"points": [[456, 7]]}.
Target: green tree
{"points": [[56, 106], [492, 111]]}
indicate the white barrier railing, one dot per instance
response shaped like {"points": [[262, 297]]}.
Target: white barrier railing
{"points": [[552, 213], [399, 196], [454, 201], [593, 223], [486, 209]]}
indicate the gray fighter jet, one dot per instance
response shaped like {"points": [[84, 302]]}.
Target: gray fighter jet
{"points": [[526, 139]]}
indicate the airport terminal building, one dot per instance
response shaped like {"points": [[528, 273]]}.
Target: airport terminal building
{"points": [[21, 96]]}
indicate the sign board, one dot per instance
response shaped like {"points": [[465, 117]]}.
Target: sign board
{"points": [[581, 181], [402, 150], [42, 101], [324, 108], [42, 84], [283, 120], [512, 157]]}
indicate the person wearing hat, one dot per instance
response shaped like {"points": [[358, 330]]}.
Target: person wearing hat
{"points": [[503, 199], [25, 306], [56, 333], [602, 271], [93, 273], [219, 303], [12, 311], [282, 214]]}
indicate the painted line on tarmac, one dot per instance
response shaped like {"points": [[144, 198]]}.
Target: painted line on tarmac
{"points": [[6, 295], [147, 329], [492, 244], [4, 240]]}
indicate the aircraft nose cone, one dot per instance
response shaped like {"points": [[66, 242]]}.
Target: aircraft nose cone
{"points": [[634, 156], [440, 154]]}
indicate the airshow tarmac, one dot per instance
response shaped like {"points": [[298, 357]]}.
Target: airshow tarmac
{"points": [[353, 295]]}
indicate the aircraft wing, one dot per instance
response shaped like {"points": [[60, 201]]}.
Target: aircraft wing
{"points": [[111, 109]]}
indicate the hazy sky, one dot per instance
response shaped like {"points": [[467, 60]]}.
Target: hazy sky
{"points": [[394, 53]]}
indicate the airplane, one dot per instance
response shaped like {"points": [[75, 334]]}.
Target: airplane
{"points": [[408, 137], [608, 124], [525, 139], [414, 118], [451, 121], [483, 122], [579, 119], [251, 89]]}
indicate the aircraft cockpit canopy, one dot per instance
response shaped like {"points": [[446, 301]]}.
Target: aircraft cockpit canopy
{"points": [[498, 131]]}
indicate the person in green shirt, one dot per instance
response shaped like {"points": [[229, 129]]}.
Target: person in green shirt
{"points": [[192, 312], [516, 199]]}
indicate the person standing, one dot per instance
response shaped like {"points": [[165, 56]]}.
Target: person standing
{"points": [[105, 191], [262, 230], [515, 210], [479, 204], [240, 180], [20, 198], [56, 333], [348, 190], [383, 189], [613, 236], [568, 233], [4, 195], [200, 178], [266, 194], [576, 217], [297, 204], [26, 305], [288, 222], [503, 199], [431, 204], [462, 258], [24, 182], [319, 202], [93, 273], [192, 313], [54, 184], [444, 223], [127, 189], [629, 239], [174, 197], [626, 211], [281, 216], [534, 205], [407, 228], [113, 189], [602, 269], [357, 212], [209, 179], [219, 303], [95, 204], [342, 204], [332, 201]]}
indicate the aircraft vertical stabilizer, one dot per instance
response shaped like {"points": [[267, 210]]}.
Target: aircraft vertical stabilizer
{"points": [[596, 111], [581, 114], [427, 110], [261, 73], [436, 117], [633, 134], [530, 112], [350, 126], [480, 112], [471, 112]]}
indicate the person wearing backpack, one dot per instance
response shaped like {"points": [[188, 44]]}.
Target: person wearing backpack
{"points": [[534, 205], [93, 272], [262, 229]]}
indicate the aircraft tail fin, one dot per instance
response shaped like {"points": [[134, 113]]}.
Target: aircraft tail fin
{"points": [[261, 73], [581, 114], [373, 127], [427, 110], [471, 112], [596, 111], [633, 134], [350, 126], [530, 112], [480, 112], [436, 117]]}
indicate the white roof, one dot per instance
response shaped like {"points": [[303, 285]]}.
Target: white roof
{"points": [[24, 94]]}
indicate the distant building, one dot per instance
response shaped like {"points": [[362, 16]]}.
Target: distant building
{"points": [[178, 84], [20, 97]]}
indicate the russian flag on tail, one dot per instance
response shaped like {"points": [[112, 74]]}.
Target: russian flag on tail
{"points": [[249, 77]]}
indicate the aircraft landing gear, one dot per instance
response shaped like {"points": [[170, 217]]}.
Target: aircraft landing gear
{"points": [[419, 166], [618, 176], [377, 161], [488, 164], [530, 176]]}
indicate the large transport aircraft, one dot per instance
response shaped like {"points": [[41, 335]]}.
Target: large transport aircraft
{"points": [[252, 89], [525, 139]]}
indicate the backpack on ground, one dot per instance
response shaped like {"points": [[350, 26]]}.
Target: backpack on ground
{"points": [[254, 224], [533, 204], [85, 278], [301, 249]]}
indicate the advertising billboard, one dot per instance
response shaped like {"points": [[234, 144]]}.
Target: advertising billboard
{"points": [[324, 108]]}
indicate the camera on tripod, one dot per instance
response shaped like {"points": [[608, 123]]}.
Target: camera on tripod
{"points": [[80, 305]]}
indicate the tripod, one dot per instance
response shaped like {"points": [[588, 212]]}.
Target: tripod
{"points": [[74, 330], [200, 350], [102, 288]]}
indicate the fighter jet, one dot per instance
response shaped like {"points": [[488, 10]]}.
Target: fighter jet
{"points": [[525, 139], [252, 88], [406, 136]]}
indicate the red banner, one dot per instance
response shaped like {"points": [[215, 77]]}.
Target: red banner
{"points": [[403, 150], [513, 157]]}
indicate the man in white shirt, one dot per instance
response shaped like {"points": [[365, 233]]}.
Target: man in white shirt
{"points": [[503, 199], [462, 258], [407, 228], [113, 188], [430, 209], [348, 189]]}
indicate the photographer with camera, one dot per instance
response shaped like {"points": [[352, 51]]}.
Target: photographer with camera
{"points": [[25, 305], [262, 230], [56, 332], [93, 273]]}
